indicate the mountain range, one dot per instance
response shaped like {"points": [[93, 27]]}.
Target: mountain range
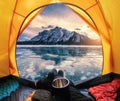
{"points": [[60, 36]]}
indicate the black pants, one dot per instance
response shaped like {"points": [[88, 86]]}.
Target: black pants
{"points": [[73, 94]]}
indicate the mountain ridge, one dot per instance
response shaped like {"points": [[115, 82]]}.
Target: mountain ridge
{"points": [[60, 36]]}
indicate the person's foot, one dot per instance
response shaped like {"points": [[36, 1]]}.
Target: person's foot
{"points": [[61, 73], [54, 71], [52, 74]]}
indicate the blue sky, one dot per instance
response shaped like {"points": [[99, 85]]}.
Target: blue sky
{"points": [[58, 15]]}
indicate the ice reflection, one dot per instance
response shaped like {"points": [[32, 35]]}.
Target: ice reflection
{"points": [[79, 63]]}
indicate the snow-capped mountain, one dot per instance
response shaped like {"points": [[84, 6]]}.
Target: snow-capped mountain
{"points": [[61, 36]]}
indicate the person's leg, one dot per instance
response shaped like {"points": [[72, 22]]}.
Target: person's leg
{"points": [[52, 74], [46, 83], [60, 73]]}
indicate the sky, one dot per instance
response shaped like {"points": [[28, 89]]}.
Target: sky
{"points": [[58, 15]]}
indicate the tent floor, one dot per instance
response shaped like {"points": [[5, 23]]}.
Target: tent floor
{"points": [[20, 94], [23, 91], [76, 93]]}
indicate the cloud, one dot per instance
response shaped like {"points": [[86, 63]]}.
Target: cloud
{"points": [[58, 15], [41, 20]]}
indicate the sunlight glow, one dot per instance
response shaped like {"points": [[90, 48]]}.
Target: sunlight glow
{"points": [[63, 17]]}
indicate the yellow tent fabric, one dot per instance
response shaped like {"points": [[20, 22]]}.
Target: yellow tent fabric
{"points": [[14, 18]]}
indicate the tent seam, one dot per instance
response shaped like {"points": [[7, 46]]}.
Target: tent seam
{"points": [[91, 6], [11, 25], [19, 14]]}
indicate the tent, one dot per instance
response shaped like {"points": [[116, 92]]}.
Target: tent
{"points": [[101, 15]]}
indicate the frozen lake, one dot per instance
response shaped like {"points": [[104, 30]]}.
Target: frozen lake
{"points": [[78, 62]]}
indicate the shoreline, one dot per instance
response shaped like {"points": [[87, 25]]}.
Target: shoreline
{"points": [[58, 45]]}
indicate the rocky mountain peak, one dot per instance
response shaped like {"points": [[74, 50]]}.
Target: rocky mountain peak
{"points": [[58, 35]]}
